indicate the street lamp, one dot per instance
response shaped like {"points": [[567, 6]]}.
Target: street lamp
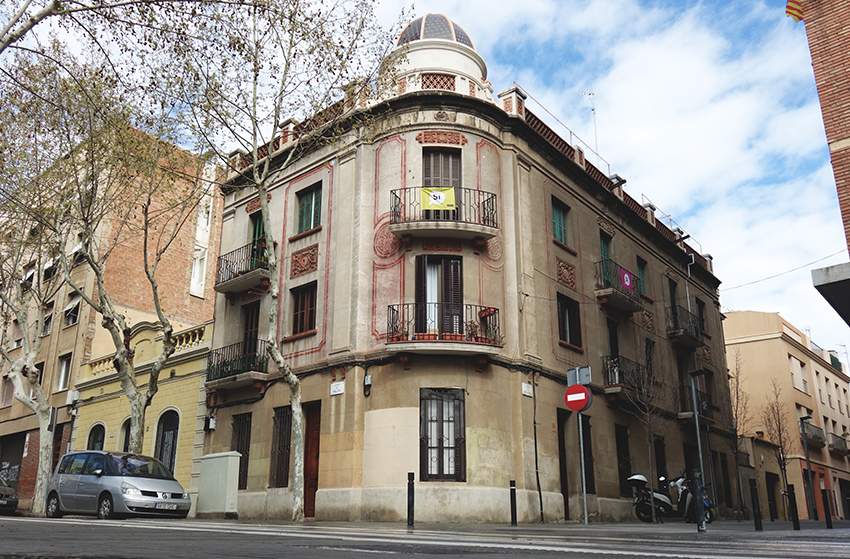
{"points": [[810, 489], [698, 489]]}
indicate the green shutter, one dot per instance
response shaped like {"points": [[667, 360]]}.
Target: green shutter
{"points": [[317, 206]]}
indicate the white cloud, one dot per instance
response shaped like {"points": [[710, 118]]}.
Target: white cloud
{"points": [[709, 108]]}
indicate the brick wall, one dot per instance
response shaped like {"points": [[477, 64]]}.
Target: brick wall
{"points": [[827, 22], [128, 286]]}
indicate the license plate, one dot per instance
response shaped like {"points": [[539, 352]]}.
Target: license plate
{"points": [[3, 502], [166, 506]]}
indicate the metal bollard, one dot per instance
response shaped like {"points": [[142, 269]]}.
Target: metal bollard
{"points": [[754, 495], [792, 506], [410, 499], [825, 495], [513, 502]]}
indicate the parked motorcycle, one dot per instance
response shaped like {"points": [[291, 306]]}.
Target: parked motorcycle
{"points": [[685, 506]]}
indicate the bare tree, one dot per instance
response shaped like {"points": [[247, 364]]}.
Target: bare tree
{"points": [[26, 251], [114, 186], [305, 59], [775, 420], [739, 403]]}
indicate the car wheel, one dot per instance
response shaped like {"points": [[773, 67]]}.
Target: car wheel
{"points": [[53, 508], [643, 510], [105, 510]]}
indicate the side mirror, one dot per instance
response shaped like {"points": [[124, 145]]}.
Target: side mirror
{"points": [[98, 472]]}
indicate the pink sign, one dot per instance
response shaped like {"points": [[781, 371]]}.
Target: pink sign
{"points": [[627, 280]]}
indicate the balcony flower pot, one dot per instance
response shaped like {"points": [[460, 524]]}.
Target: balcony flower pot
{"points": [[454, 337], [423, 337]]}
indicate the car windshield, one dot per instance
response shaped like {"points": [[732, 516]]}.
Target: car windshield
{"points": [[140, 466]]}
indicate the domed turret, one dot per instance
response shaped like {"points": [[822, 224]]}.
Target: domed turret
{"points": [[439, 55], [434, 26]]}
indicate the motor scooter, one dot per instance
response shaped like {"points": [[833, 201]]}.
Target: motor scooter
{"points": [[685, 506]]}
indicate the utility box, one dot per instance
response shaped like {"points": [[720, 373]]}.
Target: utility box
{"points": [[219, 485]]}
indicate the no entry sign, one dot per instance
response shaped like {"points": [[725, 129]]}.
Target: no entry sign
{"points": [[578, 397]]}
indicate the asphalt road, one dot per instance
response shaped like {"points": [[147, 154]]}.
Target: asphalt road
{"points": [[95, 539]]}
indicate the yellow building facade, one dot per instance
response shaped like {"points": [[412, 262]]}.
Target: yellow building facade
{"points": [[174, 421]]}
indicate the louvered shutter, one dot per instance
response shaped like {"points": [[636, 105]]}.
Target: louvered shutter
{"points": [[419, 307]]}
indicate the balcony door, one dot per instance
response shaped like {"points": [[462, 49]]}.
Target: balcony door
{"points": [[441, 168], [251, 316], [439, 295]]}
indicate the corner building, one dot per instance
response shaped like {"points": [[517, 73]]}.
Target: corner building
{"points": [[429, 341]]}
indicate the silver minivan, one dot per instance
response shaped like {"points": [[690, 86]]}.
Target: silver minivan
{"points": [[113, 484]]}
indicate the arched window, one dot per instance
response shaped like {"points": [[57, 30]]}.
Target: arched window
{"points": [[96, 437], [126, 431], [166, 439]]}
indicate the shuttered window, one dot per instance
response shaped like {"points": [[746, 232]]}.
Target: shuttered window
{"points": [[304, 309], [559, 221], [441, 168], [310, 208], [281, 440], [439, 295], [569, 321], [442, 435]]}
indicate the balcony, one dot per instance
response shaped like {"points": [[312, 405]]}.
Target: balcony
{"points": [[683, 327], [814, 435], [686, 404], [838, 445], [237, 364], [617, 287], [475, 215], [242, 269], [443, 328]]}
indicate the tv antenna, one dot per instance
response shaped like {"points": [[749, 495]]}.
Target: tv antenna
{"points": [[593, 110]]}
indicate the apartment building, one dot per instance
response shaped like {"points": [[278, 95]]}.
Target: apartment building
{"points": [[74, 338], [435, 338], [813, 392]]}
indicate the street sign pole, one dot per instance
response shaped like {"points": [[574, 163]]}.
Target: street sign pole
{"points": [[583, 477], [578, 398]]}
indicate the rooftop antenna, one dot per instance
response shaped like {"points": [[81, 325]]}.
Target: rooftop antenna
{"points": [[593, 110], [845, 354]]}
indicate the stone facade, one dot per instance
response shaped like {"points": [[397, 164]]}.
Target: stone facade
{"points": [[480, 310]]}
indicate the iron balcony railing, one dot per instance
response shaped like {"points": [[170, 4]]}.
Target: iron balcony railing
{"points": [[237, 358], [814, 434], [472, 206], [609, 274], [680, 319], [241, 261], [617, 370], [838, 443], [686, 402], [444, 321]]}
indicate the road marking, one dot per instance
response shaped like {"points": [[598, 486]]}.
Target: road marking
{"points": [[348, 535]]}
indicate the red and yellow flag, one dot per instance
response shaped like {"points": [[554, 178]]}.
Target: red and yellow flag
{"points": [[794, 9]]}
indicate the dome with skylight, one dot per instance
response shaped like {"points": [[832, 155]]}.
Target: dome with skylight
{"points": [[434, 26]]}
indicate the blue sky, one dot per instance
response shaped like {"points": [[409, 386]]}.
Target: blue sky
{"points": [[707, 108]]}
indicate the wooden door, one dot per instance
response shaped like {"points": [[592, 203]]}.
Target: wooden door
{"points": [[312, 430]]}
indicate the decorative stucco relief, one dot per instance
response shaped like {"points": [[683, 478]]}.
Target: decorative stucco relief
{"points": [[648, 320], [606, 225], [441, 137], [442, 245], [304, 261], [386, 244], [254, 204], [494, 248], [566, 273]]}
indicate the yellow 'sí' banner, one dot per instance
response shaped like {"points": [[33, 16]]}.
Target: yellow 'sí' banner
{"points": [[437, 198]]}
